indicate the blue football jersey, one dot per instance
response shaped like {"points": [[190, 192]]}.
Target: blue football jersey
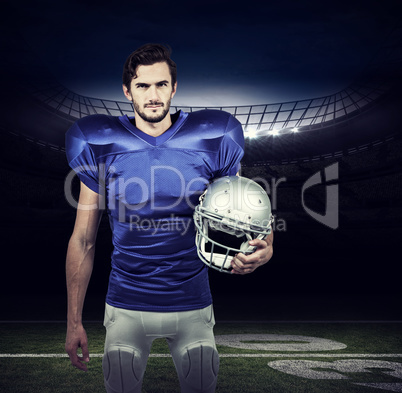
{"points": [[151, 186]]}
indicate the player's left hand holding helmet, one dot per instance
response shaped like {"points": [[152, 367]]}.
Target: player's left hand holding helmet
{"points": [[232, 211]]}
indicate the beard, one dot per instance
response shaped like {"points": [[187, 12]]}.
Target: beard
{"points": [[156, 118]]}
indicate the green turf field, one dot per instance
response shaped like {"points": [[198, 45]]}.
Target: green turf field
{"points": [[263, 357]]}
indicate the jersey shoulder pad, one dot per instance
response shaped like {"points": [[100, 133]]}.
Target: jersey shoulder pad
{"points": [[214, 122], [95, 126]]}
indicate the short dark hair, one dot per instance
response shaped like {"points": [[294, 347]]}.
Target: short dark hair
{"points": [[148, 54]]}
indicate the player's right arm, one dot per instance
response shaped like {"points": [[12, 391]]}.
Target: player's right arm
{"points": [[79, 264]]}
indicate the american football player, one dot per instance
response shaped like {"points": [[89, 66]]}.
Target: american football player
{"points": [[149, 171]]}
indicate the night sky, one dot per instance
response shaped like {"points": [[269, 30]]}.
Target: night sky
{"points": [[228, 53]]}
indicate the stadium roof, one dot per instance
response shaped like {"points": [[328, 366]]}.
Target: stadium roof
{"points": [[39, 87]]}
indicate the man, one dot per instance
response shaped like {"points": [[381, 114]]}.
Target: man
{"points": [[148, 171]]}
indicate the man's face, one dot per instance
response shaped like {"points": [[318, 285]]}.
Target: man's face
{"points": [[151, 92]]}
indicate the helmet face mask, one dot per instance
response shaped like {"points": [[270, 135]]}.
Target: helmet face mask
{"points": [[232, 211]]}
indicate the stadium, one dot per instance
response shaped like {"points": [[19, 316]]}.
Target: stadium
{"points": [[323, 315]]}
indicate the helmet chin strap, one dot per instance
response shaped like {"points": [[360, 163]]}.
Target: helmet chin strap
{"points": [[245, 248]]}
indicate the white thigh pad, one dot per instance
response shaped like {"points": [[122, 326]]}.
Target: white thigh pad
{"points": [[198, 371], [123, 369]]}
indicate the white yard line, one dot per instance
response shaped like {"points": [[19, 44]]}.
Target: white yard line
{"points": [[225, 355], [222, 322]]}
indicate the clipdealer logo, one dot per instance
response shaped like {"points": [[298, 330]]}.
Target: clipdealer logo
{"points": [[116, 193], [327, 177], [330, 218]]}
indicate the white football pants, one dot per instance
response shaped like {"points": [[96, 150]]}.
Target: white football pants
{"points": [[129, 336]]}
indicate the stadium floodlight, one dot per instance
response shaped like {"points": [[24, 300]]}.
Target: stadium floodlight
{"points": [[275, 132], [251, 132], [295, 129]]}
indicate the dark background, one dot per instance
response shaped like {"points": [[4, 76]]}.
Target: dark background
{"points": [[227, 54]]}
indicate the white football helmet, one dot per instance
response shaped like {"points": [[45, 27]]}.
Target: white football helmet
{"points": [[232, 211]]}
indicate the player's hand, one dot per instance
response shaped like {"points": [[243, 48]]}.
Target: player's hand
{"points": [[77, 338], [244, 264]]}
